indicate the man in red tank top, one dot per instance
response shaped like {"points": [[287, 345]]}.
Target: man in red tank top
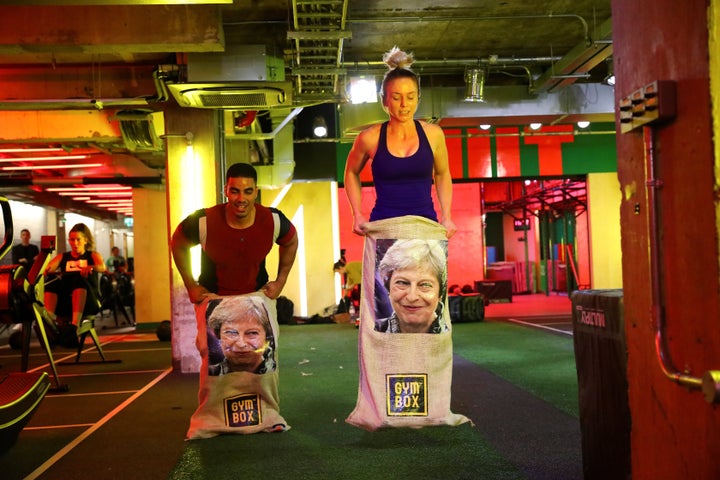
{"points": [[236, 236]]}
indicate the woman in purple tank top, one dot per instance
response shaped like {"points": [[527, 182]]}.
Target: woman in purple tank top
{"points": [[407, 155]]}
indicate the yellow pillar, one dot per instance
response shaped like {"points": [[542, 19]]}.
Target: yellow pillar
{"points": [[308, 205], [192, 138], [604, 198], [150, 250]]}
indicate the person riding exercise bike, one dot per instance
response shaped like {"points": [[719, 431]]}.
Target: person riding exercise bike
{"points": [[76, 270]]}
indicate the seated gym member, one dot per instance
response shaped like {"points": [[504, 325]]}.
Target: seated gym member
{"points": [[24, 253], [115, 262], [75, 270]]}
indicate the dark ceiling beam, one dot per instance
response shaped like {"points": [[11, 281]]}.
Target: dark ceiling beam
{"points": [[120, 31], [45, 127], [121, 2], [79, 83], [578, 62], [94, 57]]}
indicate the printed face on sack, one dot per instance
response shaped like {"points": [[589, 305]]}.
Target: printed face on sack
{"points": [[243, 341], [243, 326], [414, 273], [414, 296]]}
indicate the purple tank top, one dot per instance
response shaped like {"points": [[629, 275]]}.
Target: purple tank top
{"points": [[403, 185]]}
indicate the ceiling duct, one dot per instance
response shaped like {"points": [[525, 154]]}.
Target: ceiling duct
{"points": [[138, 130], [241, 77], [233, 95]]}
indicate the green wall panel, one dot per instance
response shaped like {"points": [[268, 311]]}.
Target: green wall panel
{"points": [[591, 151]]}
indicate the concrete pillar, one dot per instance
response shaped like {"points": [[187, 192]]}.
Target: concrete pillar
{"points": [[192, 153]]}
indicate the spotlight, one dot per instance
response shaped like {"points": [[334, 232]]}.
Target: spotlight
{"points": [[363, 90], [475, 85], [610, 77], [320, 127], [535, 125], [583, 124], [485, 126]]}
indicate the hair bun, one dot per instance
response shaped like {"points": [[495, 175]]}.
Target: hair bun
{"points": [[396, 58]]}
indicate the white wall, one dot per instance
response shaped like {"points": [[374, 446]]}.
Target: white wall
{"points": [[26, 216], [42, 221]]}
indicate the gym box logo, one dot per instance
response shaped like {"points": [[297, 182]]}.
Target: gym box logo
{"points": [[407, 395], [243, 410]]}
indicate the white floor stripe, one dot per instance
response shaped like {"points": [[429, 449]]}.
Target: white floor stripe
{"points": [[53, 427], [540, 326], [73, 355], [67, 448], [90, 394], [105, 374]]}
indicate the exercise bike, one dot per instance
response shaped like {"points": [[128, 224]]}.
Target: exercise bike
{"points": [[21, 292], [22, 392]]}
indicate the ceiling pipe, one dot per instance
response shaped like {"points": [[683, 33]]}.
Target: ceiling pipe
{"points": [[432, 18], [161, 73], [72, 104], [491, 64], [491, 61]]}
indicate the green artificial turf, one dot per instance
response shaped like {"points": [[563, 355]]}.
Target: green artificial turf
{"points": [[318, 389], [540, 363]]}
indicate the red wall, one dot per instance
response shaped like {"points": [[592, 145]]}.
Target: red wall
{"points": [[675, 433]]}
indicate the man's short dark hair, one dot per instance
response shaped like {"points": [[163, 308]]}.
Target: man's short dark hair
{"points": [[241, 170]]}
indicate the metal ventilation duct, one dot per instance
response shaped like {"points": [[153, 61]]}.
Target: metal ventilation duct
{"points": [[242, 77], [233, 95], [138, 130]]}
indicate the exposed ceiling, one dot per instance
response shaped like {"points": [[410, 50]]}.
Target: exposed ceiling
{"points": [[71, 70]]}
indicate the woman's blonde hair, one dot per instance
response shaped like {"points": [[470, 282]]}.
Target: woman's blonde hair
{"points": [[396, 58], [398, 63], [90, 240]]}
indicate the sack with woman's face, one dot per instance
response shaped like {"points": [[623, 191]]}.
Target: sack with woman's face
{"points": [[237, 340], [405, 341]]}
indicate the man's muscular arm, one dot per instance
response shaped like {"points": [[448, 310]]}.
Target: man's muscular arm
{"points": [[287, 252], [180, 246]]}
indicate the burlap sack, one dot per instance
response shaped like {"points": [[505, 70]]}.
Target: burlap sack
{"points": [[405, 378], [235, 401]]}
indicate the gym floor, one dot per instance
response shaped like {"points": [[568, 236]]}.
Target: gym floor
{"points": [[126, 417]]}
